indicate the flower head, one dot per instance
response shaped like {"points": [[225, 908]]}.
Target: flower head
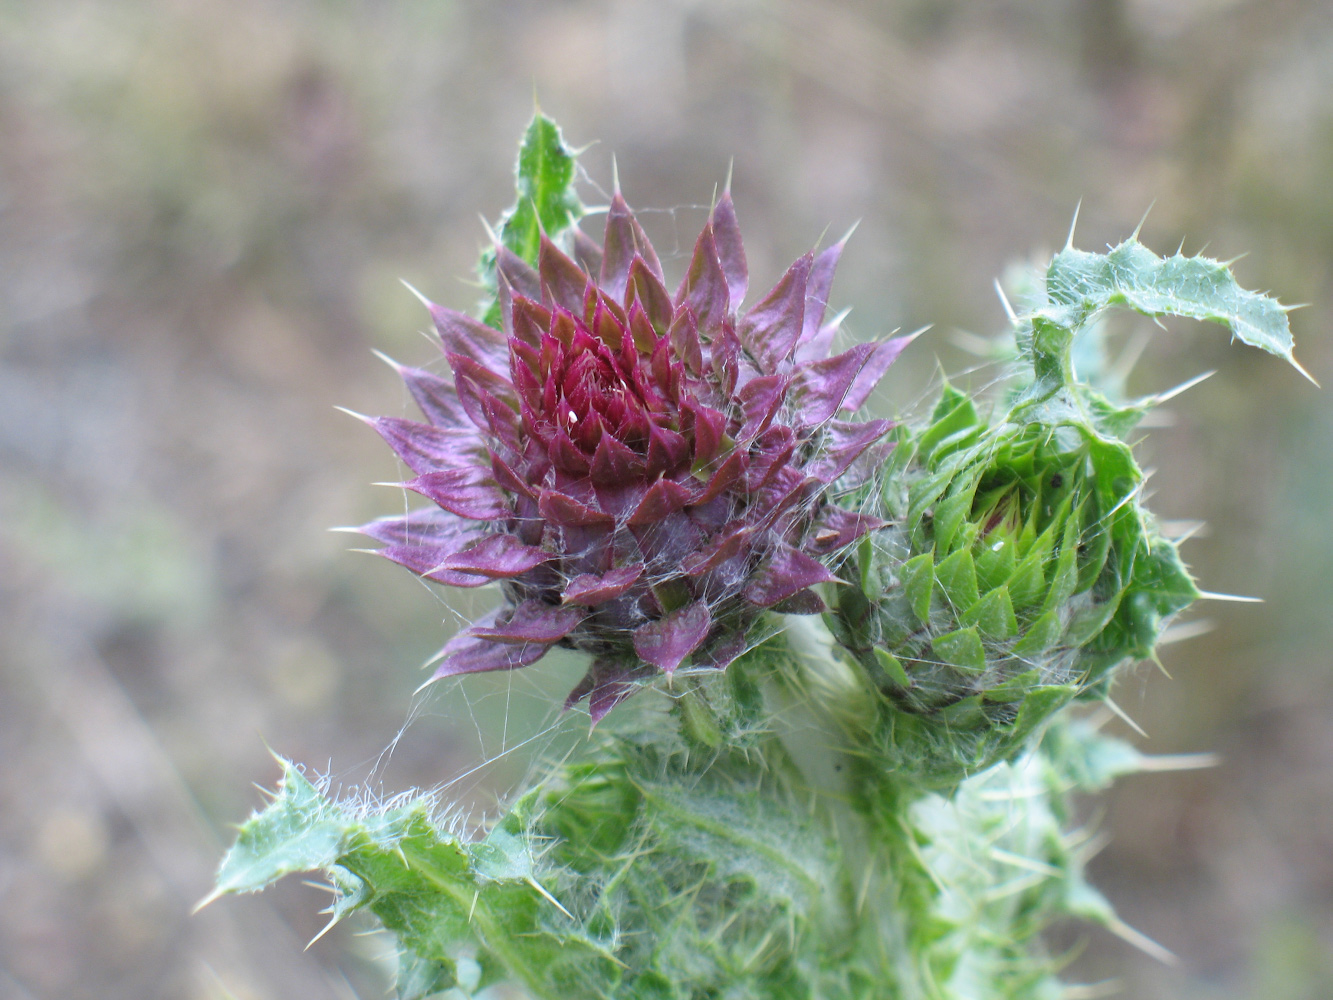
{"points": [[1018, 572], [644, 473]]}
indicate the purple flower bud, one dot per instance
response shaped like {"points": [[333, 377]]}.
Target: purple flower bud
{"points": [[645, 473]]}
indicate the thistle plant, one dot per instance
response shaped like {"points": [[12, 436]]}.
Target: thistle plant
{"points": [[858, 645], [646, 473]]}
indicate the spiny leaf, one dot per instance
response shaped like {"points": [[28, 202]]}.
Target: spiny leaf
{"points": [[546, 198], [443, 899], [1193, 287], [546, 202], [298, 832]]}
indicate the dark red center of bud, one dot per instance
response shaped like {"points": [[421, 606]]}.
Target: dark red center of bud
{"points": [[594, 381]]}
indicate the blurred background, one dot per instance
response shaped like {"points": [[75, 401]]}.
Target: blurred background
{"points": [[205, 208]]}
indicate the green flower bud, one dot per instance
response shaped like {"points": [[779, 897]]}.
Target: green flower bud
{"points": [[1018, 571]]}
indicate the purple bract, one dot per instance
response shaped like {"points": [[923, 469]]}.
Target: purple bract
{"points": [[645, 474]]}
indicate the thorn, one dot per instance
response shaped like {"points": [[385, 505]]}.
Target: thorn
{"points": [[848, 235], [864, 892], [1157, 662], [213, 896], [491, 234], [1139, 228], [1140, 941], [836, 321], [731, 165], [1239, 256], [1180, 248], [1181, 531], [476, 895], [820, 238], [1128, 497], [424, 686], [1210, 595], [1162, 397], [615, 175], [327, 927], [1027, 864], [1189, 630], [551, 899], [1164, 762], [1301, 369], [322, 886], [1004, 301], [385, 358], [1123, 716], [424, 301], [1093, 846], [433, 659], [402, 856], [1069, 243], [359, 416]]}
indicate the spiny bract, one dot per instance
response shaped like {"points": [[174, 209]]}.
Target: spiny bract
{"points": [[1018, 572], [646, 473], [1020, 567]]}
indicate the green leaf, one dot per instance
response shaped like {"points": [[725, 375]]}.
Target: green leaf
{"points": [[747, 837], [420, 977], [545, 202], [1193, 287], [546, 198], [503, 856], [445, 901], [297, 833]]}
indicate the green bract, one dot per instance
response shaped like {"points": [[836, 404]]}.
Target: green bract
{"points": [[1019, 570]]}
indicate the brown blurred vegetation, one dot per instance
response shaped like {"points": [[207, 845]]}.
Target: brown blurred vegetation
{"points": [[204, 211]]}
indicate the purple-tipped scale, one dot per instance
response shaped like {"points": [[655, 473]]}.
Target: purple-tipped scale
{"points": [[644, 473]]}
